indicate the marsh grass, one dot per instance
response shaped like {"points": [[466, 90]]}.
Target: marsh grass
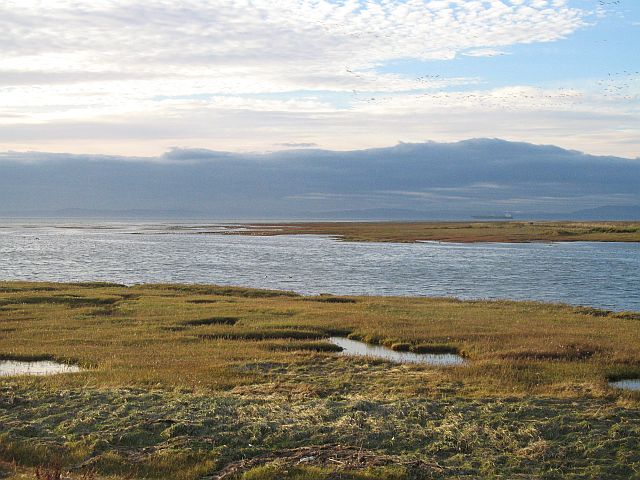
{"points": [[623, 372], [164, 397], [290, 334], [434, 348], [303, 346], [508, 231], [329, 299], [211, 321], [154, 333]]}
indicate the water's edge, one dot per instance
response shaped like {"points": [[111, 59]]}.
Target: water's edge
{"points": [[361, 349], [602, 275]]}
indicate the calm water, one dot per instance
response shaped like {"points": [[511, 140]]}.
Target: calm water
{"points": [[583, 273], [627, 384], [39, 367], [360, 349]]}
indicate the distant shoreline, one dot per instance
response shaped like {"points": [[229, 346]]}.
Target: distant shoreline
{"points": [[456, 232], [478, 231]]}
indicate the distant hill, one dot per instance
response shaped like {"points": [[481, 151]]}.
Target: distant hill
{"points": [[419, 181]]}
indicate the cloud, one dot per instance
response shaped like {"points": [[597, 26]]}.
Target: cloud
{"points": [[485, 52], [480, 175], [297, 145], [133, 48], [126, 76]]}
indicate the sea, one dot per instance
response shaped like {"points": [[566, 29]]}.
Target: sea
{"points": [[596, 274]]}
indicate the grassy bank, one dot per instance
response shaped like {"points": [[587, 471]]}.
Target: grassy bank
{"points": [[465, 232], [219, 382]]}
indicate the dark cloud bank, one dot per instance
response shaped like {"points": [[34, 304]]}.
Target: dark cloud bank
{"points": [[480, 177]]}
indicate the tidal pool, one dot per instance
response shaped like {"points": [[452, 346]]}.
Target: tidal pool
{"points": [[361, 349], [632, 384], [10, 368]]}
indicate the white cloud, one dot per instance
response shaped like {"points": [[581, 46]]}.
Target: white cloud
{"points": [[136, 77], [484, 52], [260, 45]]}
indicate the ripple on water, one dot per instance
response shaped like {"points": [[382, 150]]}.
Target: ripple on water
{"points": [[360, 349], [601, 275], [10, 368], [631, 384]]}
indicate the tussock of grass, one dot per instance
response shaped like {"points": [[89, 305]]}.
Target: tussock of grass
{"points": [[626, 315], [27, 358], [434, 348], [304, 346], [598, 312], [225, 291], [292, 334], [623, 372], [71, 301], [98, 285], [212, 321], [563, 353], [594, 312], [337, 331], [401, 347], [174, 328], [330, 299]]}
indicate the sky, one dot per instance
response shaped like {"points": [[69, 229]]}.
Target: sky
{"points": [[138, 78]]}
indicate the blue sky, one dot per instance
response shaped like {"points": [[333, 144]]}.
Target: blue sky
{"points": [[608, 44], [137, 78]]}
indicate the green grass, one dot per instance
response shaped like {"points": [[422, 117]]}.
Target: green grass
{"points": [[170, 390]]}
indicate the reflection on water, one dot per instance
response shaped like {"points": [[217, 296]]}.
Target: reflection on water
{"points": [[602, 275], [627, 384], [360, 349], [39, 367]]}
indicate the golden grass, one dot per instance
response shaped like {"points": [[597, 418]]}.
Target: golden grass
{"points": [[463, 232], [172, 391], [203, 337]]}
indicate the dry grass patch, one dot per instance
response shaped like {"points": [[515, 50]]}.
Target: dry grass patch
{"points": [[465, 232]]}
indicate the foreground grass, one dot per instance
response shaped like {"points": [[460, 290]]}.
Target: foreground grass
{"points": [[219, 382], [465, 232]]}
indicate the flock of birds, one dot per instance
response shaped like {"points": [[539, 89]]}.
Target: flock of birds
{"points": [[618, 85], [615, 86]]}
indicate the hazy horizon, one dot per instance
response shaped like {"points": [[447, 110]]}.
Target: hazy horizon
{"points": [[439, 181]]}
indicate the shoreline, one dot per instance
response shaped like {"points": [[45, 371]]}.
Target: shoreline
{"points": [[481, 231], [453, 232]]}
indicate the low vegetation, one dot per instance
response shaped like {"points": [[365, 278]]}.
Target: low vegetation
{"points": [[465, 232], [208, 382]]}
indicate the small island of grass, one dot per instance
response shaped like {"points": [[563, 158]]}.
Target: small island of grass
{"points": [[461, 232]]}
